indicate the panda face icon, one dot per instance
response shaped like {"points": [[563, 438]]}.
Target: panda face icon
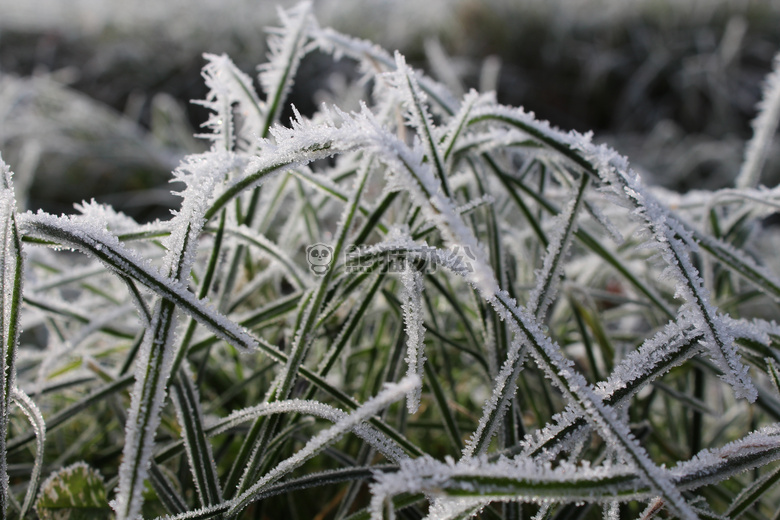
{"points": [[319, 256]]}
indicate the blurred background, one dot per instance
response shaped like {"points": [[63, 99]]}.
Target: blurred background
{"points": [[95, 94]]}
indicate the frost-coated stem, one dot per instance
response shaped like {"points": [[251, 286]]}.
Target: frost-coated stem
{"points": [[159, 349], [417, 112], [33, 413], [764, 127], [504, 388], [562, 230], [670, 236], [11, 276], [412, 300], [391, 393], [186, 399], [262, 430], [562, 373]]}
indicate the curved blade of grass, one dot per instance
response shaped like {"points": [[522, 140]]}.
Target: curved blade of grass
{"points": [[341, 397], [71, 411], [248, 460], [457, 125], [288, 156], [504, 387], [629, 377], [287, 48], [420, 118], [450, 426], [196, 443], [255, 239], [523, 480], [583, 236], [753, 493], [760, 277], [524, 483], [159, 349], [560, 370], [11, 275], [378, 60], [39, 427], [324, 478], [390, 394], [379, 441], [106, 248], [612, 169], [166, 492], [548, 356]]}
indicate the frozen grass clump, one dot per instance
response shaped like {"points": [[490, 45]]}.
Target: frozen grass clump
{"points": [[569, 341]]}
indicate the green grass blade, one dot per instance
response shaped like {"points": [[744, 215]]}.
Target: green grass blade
{"points": [[370, 408], [448, 419], [254, 239], [147, 399], [525, 480], [165, 490], [11, 275], [774, 373], [612, 170], [753, 493], [39, 427], [592, 243], [262, 430], [197, 445], [505, 387], [420, 118], [116, 257], [738, 262], [457, 125], [287, 50], [558, 247], [559, 369], [71, 411]]}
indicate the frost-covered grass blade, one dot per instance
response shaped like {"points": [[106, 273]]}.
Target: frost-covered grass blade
{"points": [[455, 238], [11, 275]]}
